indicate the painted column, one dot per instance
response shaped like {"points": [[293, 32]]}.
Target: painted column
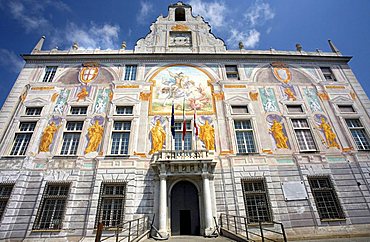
{"points": [[207, 205], [163, 205]]}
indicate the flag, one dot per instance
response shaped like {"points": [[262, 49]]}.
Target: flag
{"points": [[184, 121], [173, 121], [195, 123]]}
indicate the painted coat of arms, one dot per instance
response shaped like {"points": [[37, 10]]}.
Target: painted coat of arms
{"points": [[88, 73], [281, 72]]}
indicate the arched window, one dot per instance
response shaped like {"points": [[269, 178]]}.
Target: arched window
{"points": [[179, 14]]}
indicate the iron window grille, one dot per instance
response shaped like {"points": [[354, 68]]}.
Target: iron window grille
{"points": [[124, 110], [49, 73], [71, 138], [232, 72], [325, 197], [328, 74], [303, 134], [244, 136], [111, 205], [120, 137], [359, 134], [52, 207], [130, 72], [5, 192], [256, 200], [22, 138], [33, 111], [346, 108], [178, 136], [79, 110]]}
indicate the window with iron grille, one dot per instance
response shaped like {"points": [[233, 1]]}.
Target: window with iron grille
{"points": [[294, 108], [359, 134], [256, 201], [52, 207], [304, 136], [78, 110], [178, 136], [346, 108], [22, 138], [5, 191], [232, 72], [326, 199], [130, 72], [49, 73], [71, 138], [111, 204], [239, 109], [33, 111], [124, 110], [244, 136], [120, 137], [328, 74]]}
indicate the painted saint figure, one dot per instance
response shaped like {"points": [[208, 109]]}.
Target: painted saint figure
{"points": [[158, 137], [82, 94], [279, 136], [95, 134], [47, 137], [207, 135], [330, 136], [288, 91]]}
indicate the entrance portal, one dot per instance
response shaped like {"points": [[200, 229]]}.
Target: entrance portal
{"points": [[184, 209]]}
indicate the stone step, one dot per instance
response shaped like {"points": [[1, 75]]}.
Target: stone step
{"points": [[189, 238]]}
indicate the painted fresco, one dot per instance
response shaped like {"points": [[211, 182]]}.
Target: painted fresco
{"points": [[181, 84], [101, 101], [61, 102], [269, 100], [312, 99]]}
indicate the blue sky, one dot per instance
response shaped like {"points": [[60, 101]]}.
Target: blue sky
{"points": [[260, 24]]}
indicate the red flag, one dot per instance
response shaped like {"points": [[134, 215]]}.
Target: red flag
{"points": [[184, 121], [195, 123]]}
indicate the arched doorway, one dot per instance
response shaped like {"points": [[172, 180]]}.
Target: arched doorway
{"points": [[184, 209]]}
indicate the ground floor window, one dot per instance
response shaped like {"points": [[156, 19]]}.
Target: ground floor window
{"points": [[5, 191]]}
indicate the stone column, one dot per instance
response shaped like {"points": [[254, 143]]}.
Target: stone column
{"points": [[163, 205], [207, 205]]}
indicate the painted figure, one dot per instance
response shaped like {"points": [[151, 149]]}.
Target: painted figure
{"points": [[82, 94], [330, 136], [95, 134], [279, 136], [207, 135], [288, 91], [47, 137], [158, 137]]}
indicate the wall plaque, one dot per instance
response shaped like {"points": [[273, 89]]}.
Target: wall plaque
{"points": [[294, 190]]}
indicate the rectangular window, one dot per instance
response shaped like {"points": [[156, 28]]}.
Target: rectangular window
{"points": [[130, 72], [304, 135], [326, 199], [78, 110], [49, 73], [124, 110], [5, 191], [240, 109], [346, 108], [178, 136], [22, 138], [120, 138], [33, 111], [294, 108], [52, 207], [232, 72], [111, 204], [359, 134], [71, 138], [328, 74], [256, 201], [244, 136]]}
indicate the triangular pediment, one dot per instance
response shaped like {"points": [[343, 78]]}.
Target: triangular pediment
{"points": [[342, 99], [238, 100], [125, 100], [38, 101]]}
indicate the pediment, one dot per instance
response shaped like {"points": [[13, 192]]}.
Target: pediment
{"points": [[238, 100], [125, 100], [38, 101], [342, 99]]}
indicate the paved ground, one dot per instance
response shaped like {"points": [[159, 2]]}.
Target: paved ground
{"points": [[194, 239]]}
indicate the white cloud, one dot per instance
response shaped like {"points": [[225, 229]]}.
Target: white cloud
{"points": [[249, 38], [214, 12], [145, 9], [11, 61], [259, 13]]}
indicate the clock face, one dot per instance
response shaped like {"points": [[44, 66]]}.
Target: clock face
{"points": [[180, 39]]}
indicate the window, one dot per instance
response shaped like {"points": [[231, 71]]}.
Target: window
{"points": [[304, 135], [120, 137], [71, 138], [256, 200], [5, 191], [244, 136], [130, 72], [294, 108], [240, 109], [232, 72], [124, 110], [325, 197], [180, 14], [78, 110], [111, 204], [346, 108], [49, 73], [328, 74], [22, 138], [359, 134], [52, 206], [33, 111], [178, 136]]}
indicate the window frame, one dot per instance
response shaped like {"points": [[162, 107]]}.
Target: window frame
{"points": [[245, 130], [340, 106], [26, 133], [239, 106], [130, 73], [329, 73], [49, 76], [294, 105], [304, 128], [125, 108], [236, 71], [4, 198], [362, 128], [69, 131], [188, 135], [113, 130], [36, 108], [80, 108]]}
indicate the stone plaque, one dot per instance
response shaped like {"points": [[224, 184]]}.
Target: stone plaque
{"points": [[294, 190]]}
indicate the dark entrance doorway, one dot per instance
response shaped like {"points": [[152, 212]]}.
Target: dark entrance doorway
{"points": [[184, 209]]}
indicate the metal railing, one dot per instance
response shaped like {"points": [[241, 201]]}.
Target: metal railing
{"points": [[239, 226], [181, 155], [129, 230]]}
